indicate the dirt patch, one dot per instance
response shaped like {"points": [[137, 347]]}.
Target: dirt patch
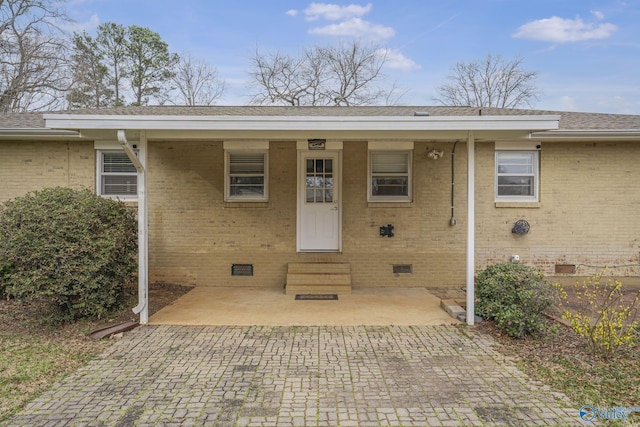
{"points": [[27, 318]]}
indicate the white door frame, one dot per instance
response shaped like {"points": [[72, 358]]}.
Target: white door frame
{"points": [[335, 149]]}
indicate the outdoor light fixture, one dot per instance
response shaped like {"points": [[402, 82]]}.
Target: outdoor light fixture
{"points": [[435, 154]]}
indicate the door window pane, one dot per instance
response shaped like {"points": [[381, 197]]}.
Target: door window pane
{"points": [[319, 181]]}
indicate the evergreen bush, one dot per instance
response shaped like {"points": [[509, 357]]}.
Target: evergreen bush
{"points": [[70, 247], [515, 296]]}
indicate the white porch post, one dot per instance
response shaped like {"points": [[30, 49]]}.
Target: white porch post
{"points": [[471, 200], [140, 162], [143, 230]]}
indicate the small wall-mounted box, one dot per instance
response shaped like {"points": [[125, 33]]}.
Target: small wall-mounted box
{"points": [[386, 230]]}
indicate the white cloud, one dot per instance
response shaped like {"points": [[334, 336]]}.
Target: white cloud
{"points": [[334, 12], [292, 12], [598, 15], [560, 30], [397, 61], [355, 27]]}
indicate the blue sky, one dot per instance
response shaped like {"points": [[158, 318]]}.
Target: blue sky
{"points": [[586, 52]]}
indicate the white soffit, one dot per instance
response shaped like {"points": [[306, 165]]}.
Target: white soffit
{"points": [[293, 123]]}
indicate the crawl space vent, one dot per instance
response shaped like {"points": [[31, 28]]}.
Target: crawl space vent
{"points": [[402, 269], [242, 269]]}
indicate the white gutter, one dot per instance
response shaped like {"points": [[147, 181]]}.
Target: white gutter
{"points": [[39, 134], [290, 123], [582, 134], [143, 242], [471, 231]]}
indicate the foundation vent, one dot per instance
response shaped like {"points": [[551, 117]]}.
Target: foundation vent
{"points": [[242, 269], [402, 268], [565, 269]]}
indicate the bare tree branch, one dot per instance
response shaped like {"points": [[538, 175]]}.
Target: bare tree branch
{"points": [[33, 52], [347, 74], [197, 82], [491, 82]]}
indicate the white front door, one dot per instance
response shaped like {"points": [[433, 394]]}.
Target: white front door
{"points": [[319, 207]]}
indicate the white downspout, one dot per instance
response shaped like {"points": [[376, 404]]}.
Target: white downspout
{"points": [[140, 162], [471, 208]]}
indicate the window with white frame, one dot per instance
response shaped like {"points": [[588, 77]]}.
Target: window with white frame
{"points": [[390, 176], [517, 175], [117, 175], [246, 176]]}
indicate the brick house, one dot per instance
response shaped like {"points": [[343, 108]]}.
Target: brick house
{"points": [[384, 196]]}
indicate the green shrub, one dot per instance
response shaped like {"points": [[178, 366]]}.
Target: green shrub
{"points": [[515, 296], [71, 247]]}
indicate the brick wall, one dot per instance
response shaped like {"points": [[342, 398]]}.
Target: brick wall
{"points": [[587, 216], [27, 166], [196, 236]]}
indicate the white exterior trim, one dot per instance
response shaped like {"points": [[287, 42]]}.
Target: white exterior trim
{"points": [[536, 178], [227, 182], [143, 223], [287, 123], [471, 228]]}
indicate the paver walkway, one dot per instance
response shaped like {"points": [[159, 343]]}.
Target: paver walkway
{"points": [[300, 376]]}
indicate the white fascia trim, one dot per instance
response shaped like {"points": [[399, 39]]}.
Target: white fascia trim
{"points": [[602, 134], [22, 133], [265, 123]]}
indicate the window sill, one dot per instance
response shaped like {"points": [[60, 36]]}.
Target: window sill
{"points": [[256, 205], [125, 199], [390, 204], [523, 205]]}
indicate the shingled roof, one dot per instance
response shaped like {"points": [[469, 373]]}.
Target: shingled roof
{"points": [[568, 121]]}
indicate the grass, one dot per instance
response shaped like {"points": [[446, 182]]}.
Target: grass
{"points": [[562, 360], [36, 351], [32, 363]]}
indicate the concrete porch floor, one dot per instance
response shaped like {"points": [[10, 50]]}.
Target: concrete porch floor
{"points": [[271, 307]]}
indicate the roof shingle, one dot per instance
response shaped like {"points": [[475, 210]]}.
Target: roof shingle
{"points": [[569, 120]]}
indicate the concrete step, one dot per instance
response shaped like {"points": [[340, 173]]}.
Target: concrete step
{"points": [[318, 278], [319, 268], [317, 289], [325, 279]]}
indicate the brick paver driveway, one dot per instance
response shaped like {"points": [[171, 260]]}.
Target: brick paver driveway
{"points": [[300, 376]]}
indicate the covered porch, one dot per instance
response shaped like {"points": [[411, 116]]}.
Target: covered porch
{"points": [[271, 307], [172, 147]]}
